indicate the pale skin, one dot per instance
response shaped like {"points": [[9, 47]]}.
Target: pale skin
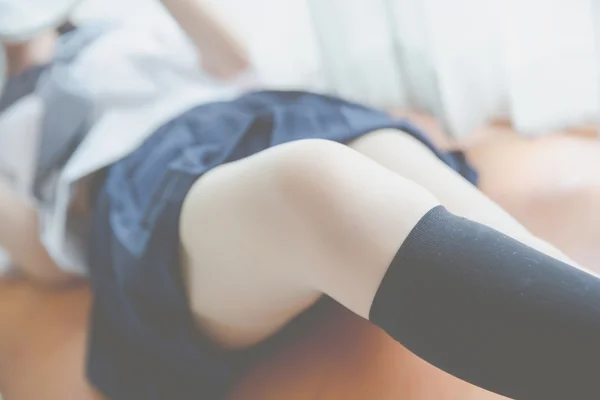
{"points": [[336, 356], [265, 237], [300, 172], [360, 201], [334, 243]]}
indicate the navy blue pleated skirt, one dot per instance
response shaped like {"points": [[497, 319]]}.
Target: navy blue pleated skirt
{"points": [[144, 344]]}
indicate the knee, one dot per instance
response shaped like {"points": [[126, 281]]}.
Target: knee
{"points": [[318, 181], [337, 187]]}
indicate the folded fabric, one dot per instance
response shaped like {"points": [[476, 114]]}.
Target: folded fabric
{"points": [[22, 19]]}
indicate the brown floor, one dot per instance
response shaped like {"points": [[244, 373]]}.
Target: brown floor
{"points": [[552, 185]]}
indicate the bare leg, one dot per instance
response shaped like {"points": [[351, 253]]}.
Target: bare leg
{"points": [[264, 237], [555, 175], [403, 155], [411, 159], [271, 233], [295, 371]]}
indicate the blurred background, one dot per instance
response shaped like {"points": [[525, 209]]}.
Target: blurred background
{"points": [[467, 71], [464, 70], [532, 62], [514, 83]]}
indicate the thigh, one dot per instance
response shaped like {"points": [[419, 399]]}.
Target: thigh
{"points": [[346, 344], [408, 157], [239, 284], [265, 236]]}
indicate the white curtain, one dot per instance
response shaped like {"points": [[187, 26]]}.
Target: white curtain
{"points": [[467, 61], [278, 33], [596, 20]]}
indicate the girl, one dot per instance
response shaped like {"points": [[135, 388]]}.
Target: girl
{"points": [[210, 226]]}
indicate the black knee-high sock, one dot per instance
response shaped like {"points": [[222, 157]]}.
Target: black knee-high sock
{"points": [[493, 311]]}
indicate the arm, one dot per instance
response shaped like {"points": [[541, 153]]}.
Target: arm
{"points": [[222, 55]]}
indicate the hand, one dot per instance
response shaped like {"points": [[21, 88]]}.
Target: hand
{"points": [[222, 55], [36, 51]]}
